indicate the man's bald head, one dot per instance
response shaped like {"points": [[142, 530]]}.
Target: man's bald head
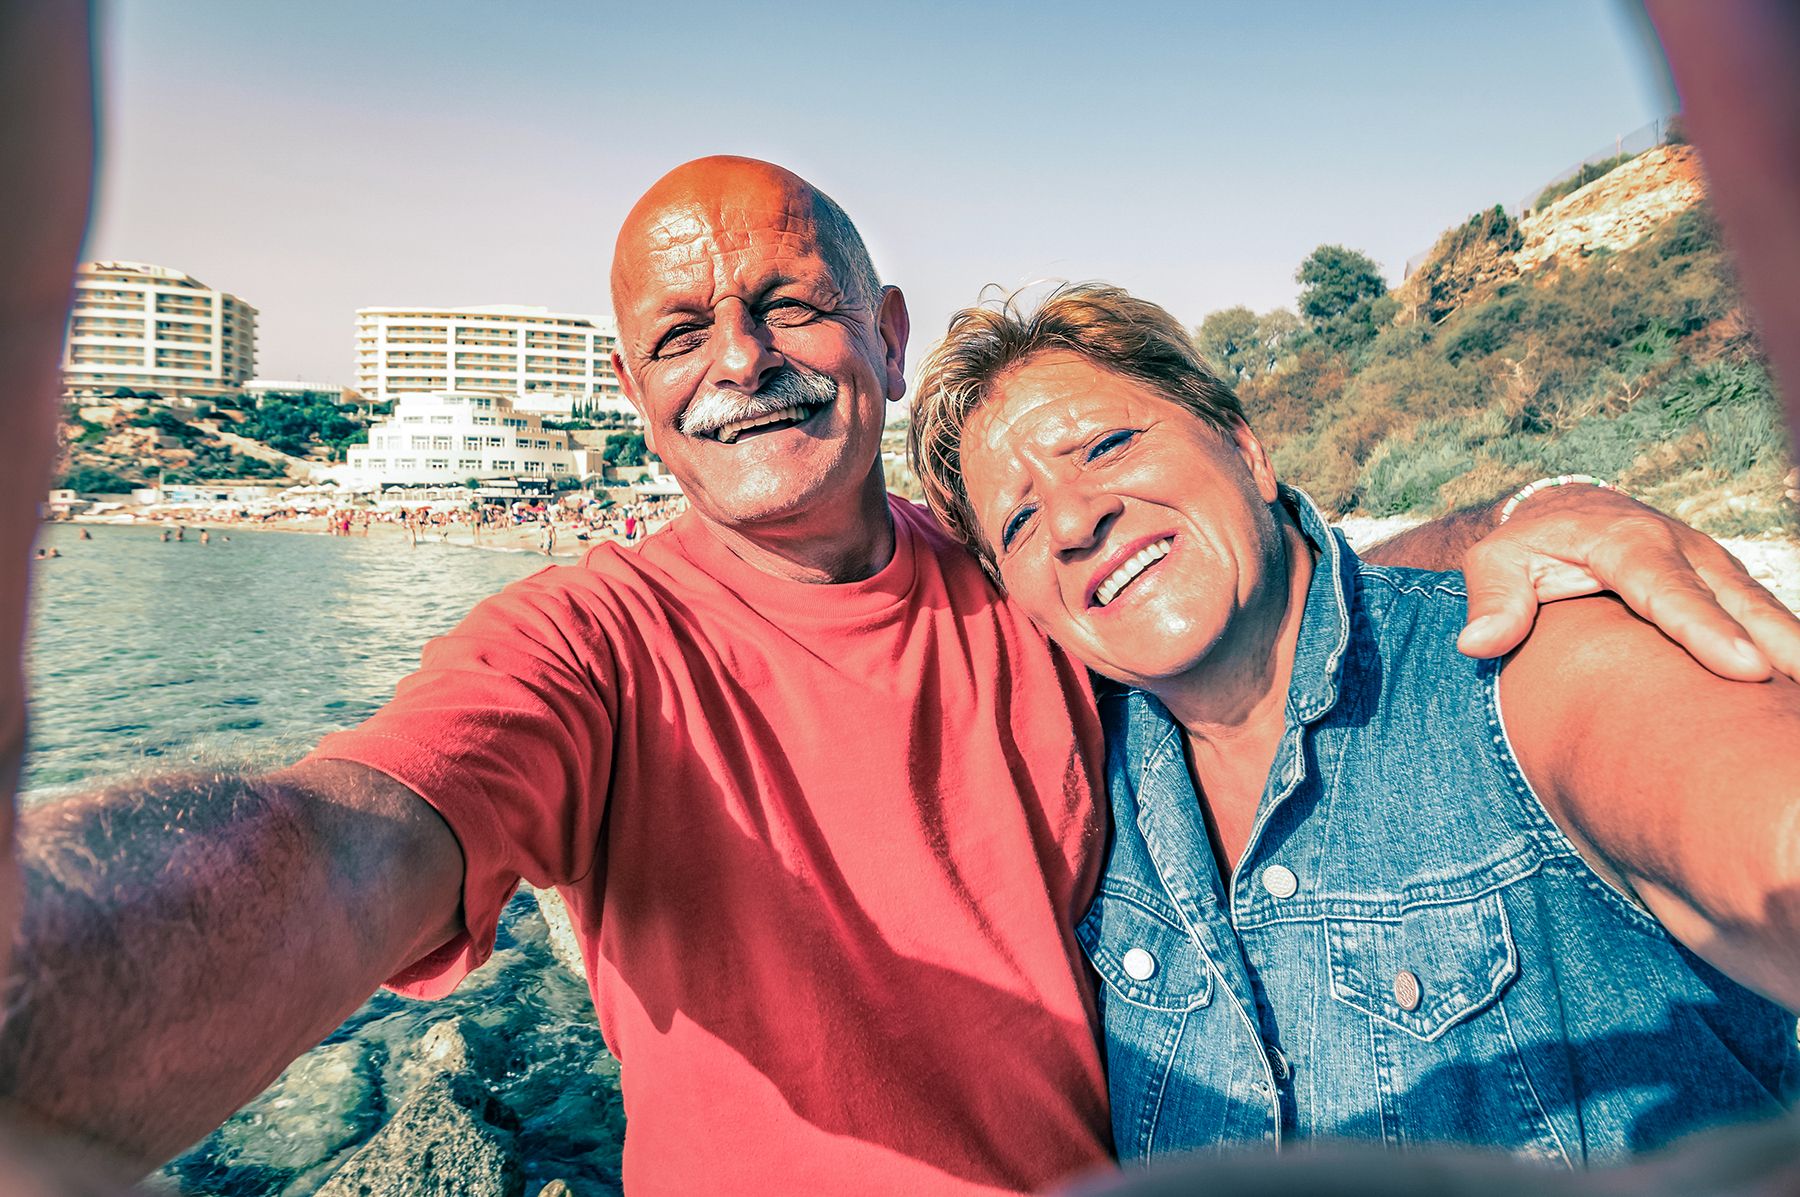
{"points": [[699, 192]]}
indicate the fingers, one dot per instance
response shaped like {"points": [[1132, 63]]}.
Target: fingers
{"points": [[1503, 599], [1770, 626], [1657, 579]]}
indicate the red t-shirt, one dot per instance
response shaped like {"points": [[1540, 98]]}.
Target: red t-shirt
{"points": [[824, 846]]}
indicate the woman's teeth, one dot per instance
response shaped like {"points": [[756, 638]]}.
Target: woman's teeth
{"points": [[730, 432], [1140, 561]]}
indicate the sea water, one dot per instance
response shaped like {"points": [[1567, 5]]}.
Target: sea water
{"points": [[147, 657]]}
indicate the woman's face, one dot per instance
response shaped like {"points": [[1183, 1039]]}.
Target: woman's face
{"points": [[1131, 531]]}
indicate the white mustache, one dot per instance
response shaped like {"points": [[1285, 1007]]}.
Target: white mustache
{"points": [[789, 386]]}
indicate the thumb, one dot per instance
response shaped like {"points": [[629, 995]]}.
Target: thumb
{"points": [[1503, 601]]}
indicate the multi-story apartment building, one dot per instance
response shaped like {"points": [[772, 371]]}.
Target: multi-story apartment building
{"points": [[541, 359], [142, 327], [447, 438]]}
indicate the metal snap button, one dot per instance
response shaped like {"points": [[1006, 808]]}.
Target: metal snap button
{"points": [[1139, 964], [1280, 881], [1278, 1064], [1406, 989]]}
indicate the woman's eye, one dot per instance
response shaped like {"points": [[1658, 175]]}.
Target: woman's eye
{"points": [[1014, 526], [1109, 442]]}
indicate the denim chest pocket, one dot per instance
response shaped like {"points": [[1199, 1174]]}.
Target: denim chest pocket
{"points": [[1143, 955], [1428, 970]]}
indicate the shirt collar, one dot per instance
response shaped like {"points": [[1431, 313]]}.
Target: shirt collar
{"points": [[1325, 624]]}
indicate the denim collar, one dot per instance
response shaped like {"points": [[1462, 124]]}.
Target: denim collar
{"points": [[1318, 653], [1325, 624]]}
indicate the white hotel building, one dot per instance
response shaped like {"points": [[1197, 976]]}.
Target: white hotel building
{"points": [[444, 439], [543, 360], [146, 327]]}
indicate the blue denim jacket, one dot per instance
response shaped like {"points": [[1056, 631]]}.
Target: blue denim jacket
{"points": [[1409, 951]]}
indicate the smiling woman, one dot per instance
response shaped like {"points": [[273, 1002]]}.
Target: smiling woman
{"points": [[1361, 885]]}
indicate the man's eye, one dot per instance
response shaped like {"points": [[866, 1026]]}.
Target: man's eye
{"points": [[786, 313], [1014, 526], [679, 340], [1111, 441]]}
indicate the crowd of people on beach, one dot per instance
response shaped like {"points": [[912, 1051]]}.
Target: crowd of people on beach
{"points": [[581, 519]]}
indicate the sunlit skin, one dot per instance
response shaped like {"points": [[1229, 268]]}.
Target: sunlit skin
{"points": [[723, 273], [1073, 471]]}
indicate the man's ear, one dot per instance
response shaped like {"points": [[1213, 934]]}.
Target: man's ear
{"points": [[1256, 460], [895, 326], [629, 385]]}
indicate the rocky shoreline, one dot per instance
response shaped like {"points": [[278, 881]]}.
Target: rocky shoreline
{"points": [[504, 1089]]}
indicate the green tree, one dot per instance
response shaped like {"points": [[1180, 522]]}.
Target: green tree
{"points": [[1341, 294], [1240, 344], [92, 480], [1228, 340], [627, 450]]}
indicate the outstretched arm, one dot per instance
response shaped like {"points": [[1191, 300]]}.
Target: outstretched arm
{"points": [[1681, 788], [186, 939], [1569, 541]]}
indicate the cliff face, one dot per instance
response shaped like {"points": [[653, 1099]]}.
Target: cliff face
{"points": [[1615, 211]]}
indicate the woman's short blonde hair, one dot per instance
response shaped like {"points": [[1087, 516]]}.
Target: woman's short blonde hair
{"points": [[1115, 331]]}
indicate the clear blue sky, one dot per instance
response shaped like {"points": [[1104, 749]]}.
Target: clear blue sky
{"points": [[323, 156]]}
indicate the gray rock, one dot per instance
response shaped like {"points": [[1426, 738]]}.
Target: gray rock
{"points": [[452, 1138], [563, 943], [453, 1044], [323, 1102]]}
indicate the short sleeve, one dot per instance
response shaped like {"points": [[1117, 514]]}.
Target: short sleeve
{"points": [[506, 730]]}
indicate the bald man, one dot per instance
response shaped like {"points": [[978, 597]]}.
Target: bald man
{"points": [[820, 803]]}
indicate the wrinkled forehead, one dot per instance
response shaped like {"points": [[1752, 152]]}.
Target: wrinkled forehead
{"points": [[691, 254]]}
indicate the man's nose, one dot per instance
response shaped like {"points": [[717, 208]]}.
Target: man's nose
{"points": [[743, 348], [1079, 517]]}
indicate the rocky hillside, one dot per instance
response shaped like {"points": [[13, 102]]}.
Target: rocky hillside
{"points": [[1471, 262], [1602, 334], [111, 449]]}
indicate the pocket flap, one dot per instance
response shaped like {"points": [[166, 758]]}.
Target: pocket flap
{"points": [[1429, 969], [1144, 956]]}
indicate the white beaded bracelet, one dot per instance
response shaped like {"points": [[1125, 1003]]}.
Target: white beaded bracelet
{"points": [[1525, 492]]}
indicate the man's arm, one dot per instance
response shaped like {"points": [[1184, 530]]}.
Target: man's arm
{"points": [[1679, 787], [185, 939], [1569, 541]]}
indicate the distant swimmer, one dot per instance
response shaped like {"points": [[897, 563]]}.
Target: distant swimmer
{"points": [[165, 536], [180, 532], [86, 535], [205, 536], [42, 555]]}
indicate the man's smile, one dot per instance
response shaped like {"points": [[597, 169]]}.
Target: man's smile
{"points": [[752, 426]]}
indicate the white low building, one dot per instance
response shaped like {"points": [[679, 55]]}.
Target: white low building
{"points": [[446, 437]]}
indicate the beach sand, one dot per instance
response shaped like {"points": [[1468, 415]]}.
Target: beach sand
{"points": [[523, 538]]}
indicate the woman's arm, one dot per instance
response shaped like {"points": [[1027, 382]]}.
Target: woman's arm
{"points": [[1679, 787]]}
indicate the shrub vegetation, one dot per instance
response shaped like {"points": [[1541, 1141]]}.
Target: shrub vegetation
{"points": [[1637, 366]]}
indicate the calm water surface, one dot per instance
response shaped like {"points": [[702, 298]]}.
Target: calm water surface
{"points": [[145, 655]]}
